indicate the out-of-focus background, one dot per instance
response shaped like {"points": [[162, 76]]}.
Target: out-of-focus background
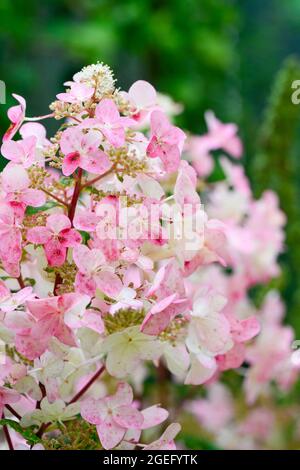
{"points": [[238, 58]]}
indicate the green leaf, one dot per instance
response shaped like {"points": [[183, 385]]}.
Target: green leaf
{"points": [[197, 443], [85, 236], [217, 173], [34, 210], [27, 433]]}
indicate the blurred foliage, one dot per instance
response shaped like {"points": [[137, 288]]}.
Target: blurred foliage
{"points": [[275, 166], [217, 54]]}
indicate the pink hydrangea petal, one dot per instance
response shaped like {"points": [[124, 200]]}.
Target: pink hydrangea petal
{"points": [[65, 335], [166, 441], [34, 129], [153, 416], [123, 395], [69, 139], [96, 162], [90, 411], [14, 178], [85, 220], [109, 283], [69, 237], [33, 197], [8, 396], [143, 94], [88, 260], [128, 417], [16, 115], [170, 156], [70, 163], [153, 149], [29, 347], [41, 307], [246, 329], [107, 111], [159, 123], [39, 235], [93, 320], [55, 252], [58, 222], [110, 434], [12, 150], [115, 136], [85, 284]]}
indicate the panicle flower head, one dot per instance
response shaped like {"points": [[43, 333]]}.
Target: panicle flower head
{"points": [[111, 264], [98, 76]]}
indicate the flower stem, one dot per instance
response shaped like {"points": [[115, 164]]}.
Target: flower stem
{"points": [[71, 213], [7, 435], [76, 397], [98, 178], [13, 412], [54, 197], [39, 118], [87, 385], [75, 196], [21, 281]]}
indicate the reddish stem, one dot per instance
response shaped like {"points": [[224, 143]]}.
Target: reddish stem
{"points": [[54, 197], [75, 398], [97, 178], [21, 281], [71, 213], [7, 435], [75, 196], [87, 385], [13, 412], [43, 390]]}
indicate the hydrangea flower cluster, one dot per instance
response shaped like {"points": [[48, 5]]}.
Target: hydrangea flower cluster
{"points": [[110, 264]]}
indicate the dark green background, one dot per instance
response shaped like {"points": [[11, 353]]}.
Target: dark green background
{"points": [[219, 54]]}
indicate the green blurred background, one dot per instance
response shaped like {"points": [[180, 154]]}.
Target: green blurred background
{"points": [[238, 58]]}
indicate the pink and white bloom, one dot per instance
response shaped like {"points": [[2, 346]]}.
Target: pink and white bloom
{"points": [[125, 299], [94, 272], [16, 186], [20, 151], [16, 115], [166, 141], [82, 151], [215, 411], [37, 130], [143, 97], [111, 124], [223, 136], [166, 441], [50, 318], [8, 397], [14, 301], [127, 348], [10, 239], [115, 414], [56, 237], [79, 92]]}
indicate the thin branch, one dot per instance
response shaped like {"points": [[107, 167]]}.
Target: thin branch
{"points": [[39, 118], [43, 391], [87, 385], [78, 395], [94, 180], [75, 196], [54, 197], [21, 281], [13, 412], [7, 435]]}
